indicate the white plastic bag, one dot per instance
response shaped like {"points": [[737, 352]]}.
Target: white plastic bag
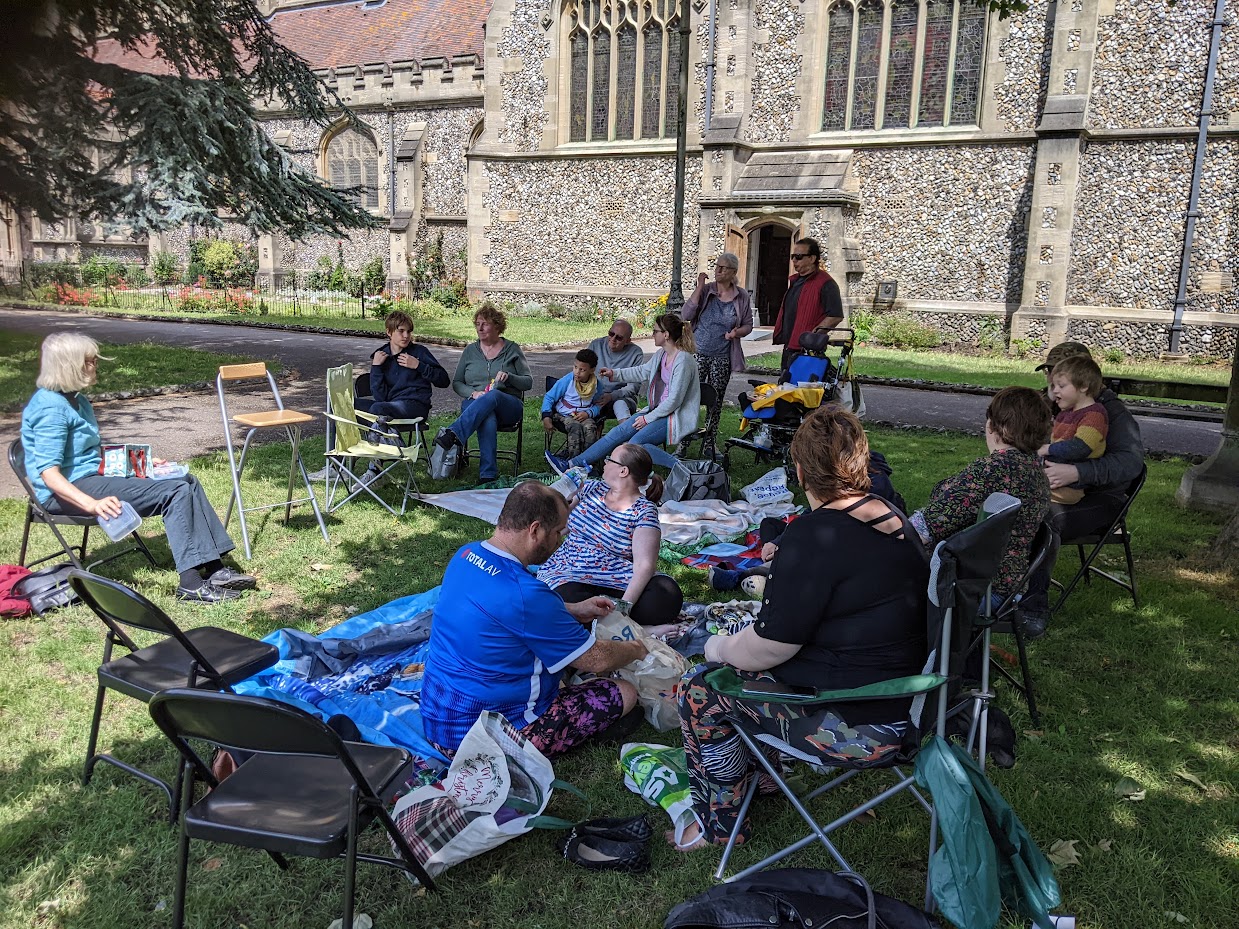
{"points": [[655, 676], [497, 786], [771, 487]]}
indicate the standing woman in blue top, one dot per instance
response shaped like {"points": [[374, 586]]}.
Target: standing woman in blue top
{"points": [[60, 438], [491, 378]]}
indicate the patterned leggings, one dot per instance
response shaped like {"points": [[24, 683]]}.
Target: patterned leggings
{"points": [[578, 713], [714, 370], [581, 435], [720, 764]]}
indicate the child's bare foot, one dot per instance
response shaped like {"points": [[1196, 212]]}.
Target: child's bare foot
{"points": [[691, 841]]}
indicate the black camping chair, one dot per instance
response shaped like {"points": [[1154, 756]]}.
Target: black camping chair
{"points": [[1004, 622], [1116, 534], [513, 456], [304, 792], [961, 570], [207, 657], [36, 513], [685, 447]]}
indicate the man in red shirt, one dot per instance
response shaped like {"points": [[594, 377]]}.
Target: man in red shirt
{"points": [[812, 302]]}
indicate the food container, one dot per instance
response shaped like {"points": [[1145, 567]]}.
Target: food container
{"points": [[117, 527]]}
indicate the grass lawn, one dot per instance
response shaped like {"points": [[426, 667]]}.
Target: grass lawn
{"points": [[999, 370], [522, 329], [1146, 693], [142, 364]]}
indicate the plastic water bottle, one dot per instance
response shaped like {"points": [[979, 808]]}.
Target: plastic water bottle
{"points": [[571, 481]]}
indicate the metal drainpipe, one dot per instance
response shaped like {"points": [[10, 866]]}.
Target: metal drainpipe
{"points": [[710, 64], [391, 163], [1202, 138]]}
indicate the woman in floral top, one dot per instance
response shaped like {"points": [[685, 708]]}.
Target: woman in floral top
{"points": [[612, 544], [1016, 425]]}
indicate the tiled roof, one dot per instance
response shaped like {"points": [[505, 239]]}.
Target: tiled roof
{"points": [[398, 30], [349, 34]]}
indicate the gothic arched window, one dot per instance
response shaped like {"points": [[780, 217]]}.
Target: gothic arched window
{"points": [[927, 73], [623, 61], [351, 160]]}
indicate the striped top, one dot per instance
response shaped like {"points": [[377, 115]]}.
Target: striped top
{"points": [[598, 549]]}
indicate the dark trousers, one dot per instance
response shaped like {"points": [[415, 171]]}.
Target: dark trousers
{"points": [[393, 409], [659, 603], [1093, 514], [195, 534]]}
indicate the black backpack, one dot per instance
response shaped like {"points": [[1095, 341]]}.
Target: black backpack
{"points": [[48, 589]]}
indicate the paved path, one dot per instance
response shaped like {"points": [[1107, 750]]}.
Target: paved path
{"points": [[182, 425]]}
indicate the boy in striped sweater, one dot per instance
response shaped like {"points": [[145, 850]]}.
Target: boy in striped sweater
{"points": [[1081, 425]]}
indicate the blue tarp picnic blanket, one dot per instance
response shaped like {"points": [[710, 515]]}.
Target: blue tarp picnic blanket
{"points": [[368, 668]]}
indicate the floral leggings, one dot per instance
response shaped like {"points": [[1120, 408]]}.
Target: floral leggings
{"points": [[714, 370], [578, 713], [720, 765]]}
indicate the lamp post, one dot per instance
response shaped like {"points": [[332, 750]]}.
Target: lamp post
{"points": [[675, 296]]}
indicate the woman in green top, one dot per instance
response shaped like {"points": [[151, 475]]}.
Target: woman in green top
{"points": [[492, 378]]}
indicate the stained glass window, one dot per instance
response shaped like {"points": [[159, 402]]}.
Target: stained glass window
{"points": [[935, 62], [966, 79], [602, 86], [626, 82], [353, 163], [901, 52], [868, 57], [578, 86], [651, 78], [672, 125], [838, 64]]}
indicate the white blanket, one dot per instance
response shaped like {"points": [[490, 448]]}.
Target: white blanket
{"points": [[682, 522]]}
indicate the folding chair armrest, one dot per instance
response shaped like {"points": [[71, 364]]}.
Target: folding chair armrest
{"points": [[362, 414], [339, 419], [406, 422], [725, 680]]}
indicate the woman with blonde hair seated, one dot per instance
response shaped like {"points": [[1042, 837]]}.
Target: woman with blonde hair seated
{"points": [[60, 438]]}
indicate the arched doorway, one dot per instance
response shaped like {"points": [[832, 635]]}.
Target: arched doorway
{"points": [[770, 249]]}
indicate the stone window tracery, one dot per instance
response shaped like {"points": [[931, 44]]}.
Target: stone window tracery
{"points": [[351, 162], [893, 64], [622, 66]]}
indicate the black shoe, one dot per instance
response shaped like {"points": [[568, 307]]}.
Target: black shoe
{"points": [[207, 593], [618, 829], [228, 579], [597, 854], [1032, 623]]}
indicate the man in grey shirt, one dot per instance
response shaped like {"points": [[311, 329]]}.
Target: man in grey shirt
{"points": [[616, 350]]}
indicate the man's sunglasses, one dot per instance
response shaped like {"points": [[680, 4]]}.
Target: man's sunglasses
{"points": [[616, 335]]}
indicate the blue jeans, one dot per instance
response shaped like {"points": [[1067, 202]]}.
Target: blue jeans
{"points": [[484, 416], [651, 438]]}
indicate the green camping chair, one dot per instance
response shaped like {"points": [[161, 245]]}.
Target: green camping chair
{"points": [[349, 443], [960, 572]]}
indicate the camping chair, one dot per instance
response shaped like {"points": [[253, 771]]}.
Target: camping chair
{"points": [[685, 446], [505, 454], [290, 421], [36, 513], [305, 792], [348, 444], [549, 437], [960, 573], [1116, 534], [206, 657], [1004, 622], [412, 431]]}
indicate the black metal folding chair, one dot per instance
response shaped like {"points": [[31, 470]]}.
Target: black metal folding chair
{"points": [[207, 657], [961, 571], [37, 513], [1116, 534], [303, 792]]}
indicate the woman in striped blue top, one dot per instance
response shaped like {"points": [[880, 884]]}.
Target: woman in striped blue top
{"points": [[612, 544]]}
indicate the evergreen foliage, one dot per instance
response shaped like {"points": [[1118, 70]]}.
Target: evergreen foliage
{"points": [[176, 142]]}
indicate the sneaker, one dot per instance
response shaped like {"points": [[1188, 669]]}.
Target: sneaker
{"points": [[370, 476], [1032, 623], [321, 475], [754, 586], [560, 466], [721, 578]]}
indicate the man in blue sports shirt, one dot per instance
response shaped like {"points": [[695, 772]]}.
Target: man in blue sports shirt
{"points": [[501, 639]]}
